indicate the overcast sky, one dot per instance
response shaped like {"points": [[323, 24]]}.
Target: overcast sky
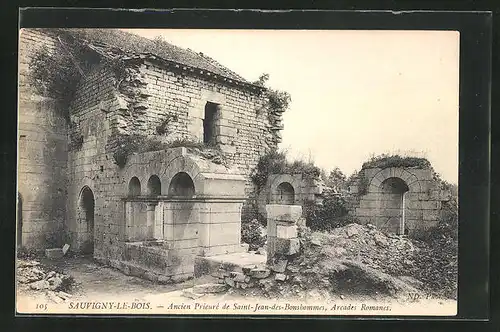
{"points": [[354, 93]]}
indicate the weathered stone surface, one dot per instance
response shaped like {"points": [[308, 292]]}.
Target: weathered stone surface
{"points": [[280, 277], [287, 246], [286, 231], [286, 213], [280, 266], [260, 273], [229, 281]]}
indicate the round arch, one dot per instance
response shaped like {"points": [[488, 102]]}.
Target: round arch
{"points": [[285, 194], [154, 186], [134, 186], [86, 209], [181, 185]]}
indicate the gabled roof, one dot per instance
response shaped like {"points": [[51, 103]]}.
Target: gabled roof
{"points": [[118, 41]]}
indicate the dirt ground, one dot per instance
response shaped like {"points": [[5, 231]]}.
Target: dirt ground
{"points": [[94, 282]]}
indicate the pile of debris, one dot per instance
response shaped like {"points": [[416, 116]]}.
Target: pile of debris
{"points": [[32, 275], [353, 259]]}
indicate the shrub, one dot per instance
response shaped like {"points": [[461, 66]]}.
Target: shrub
{"points": [[385, 161], [331, 214], [447, 227], [275, 162], [251, 233], [127, 145]]}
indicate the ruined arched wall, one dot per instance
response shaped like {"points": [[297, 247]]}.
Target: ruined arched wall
{"points": [[305, 189], [422, 201]]}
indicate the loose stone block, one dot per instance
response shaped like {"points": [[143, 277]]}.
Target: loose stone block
{"points": [[260, 273], [280, 277]]}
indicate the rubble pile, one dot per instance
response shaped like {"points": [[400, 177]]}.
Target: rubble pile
{"points": [[32, 275], [353, 259]]}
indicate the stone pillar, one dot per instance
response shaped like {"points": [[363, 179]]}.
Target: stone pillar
{"points": [[158, 224], [150, 220], [129, 221], [282, 237]]}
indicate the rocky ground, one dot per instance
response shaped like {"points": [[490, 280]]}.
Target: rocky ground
{"points": [[357, 261]]}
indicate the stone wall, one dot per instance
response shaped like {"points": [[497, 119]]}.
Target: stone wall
{"points": [[374, 201], [91, 163], [60, 160], [178, 100], [304, 189], [42, 154]]}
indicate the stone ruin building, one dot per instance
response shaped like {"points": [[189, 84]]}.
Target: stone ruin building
{"points": [[397, 199], [153, 209], [146, 164]]}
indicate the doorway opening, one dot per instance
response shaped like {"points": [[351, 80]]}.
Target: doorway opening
{"points": [[86, 208], [394, 191]]}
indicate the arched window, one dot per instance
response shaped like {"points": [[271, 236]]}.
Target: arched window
{"points": [[154, 186], [181, 185], [134, 187], [285, 193]]}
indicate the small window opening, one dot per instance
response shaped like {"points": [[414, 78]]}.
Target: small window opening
{"points": [[209, 123]]}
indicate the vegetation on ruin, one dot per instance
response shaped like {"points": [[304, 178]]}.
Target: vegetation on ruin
{"points": [[276, 101], [363, 185], [56, 75], [251, 233], [335, 179], [387, 160], [275, 162], [332, 213], [130, 144]]}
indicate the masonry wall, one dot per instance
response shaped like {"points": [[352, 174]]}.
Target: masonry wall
{"points": [[423, 201], [242, 129], [42, 154], [103, 110], [91, 164]]}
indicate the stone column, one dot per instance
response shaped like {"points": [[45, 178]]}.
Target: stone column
{"points": [[282, 237], [158, 224], [129, 222], [150, 220]]}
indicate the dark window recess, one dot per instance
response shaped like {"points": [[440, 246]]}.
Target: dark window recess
{"points": [[209, 123]]}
